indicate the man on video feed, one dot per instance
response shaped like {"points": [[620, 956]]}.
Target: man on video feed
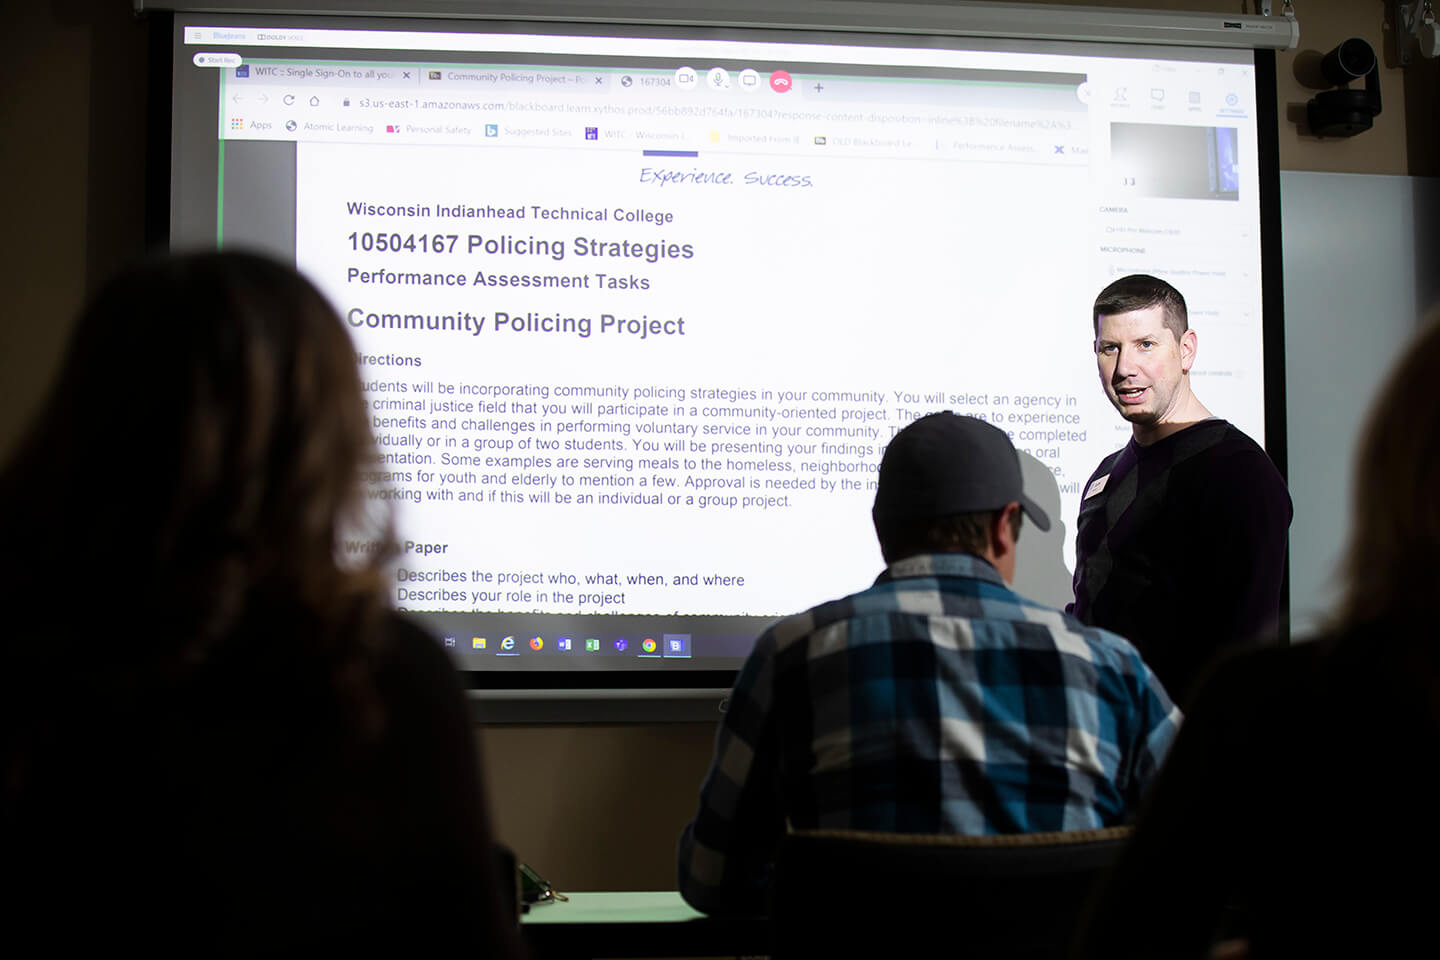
{"points": [[1180, 544], [936, 701]]}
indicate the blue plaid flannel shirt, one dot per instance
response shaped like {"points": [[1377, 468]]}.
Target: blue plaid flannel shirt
{"points": [[937, 701]]}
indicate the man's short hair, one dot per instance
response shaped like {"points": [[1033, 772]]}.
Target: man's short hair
{"points": [[1140, 291], [955, 533]]}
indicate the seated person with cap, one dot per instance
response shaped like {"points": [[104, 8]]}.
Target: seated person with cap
{"points": [[936, 701]]}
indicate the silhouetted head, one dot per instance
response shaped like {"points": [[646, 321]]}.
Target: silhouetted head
{"points": [[201, 453], [1392, 562]]}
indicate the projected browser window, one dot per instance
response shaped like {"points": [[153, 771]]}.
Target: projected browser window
{"points": [[637, 316]]}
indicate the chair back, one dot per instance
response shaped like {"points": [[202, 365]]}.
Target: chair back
{"points": [[846, 893]]}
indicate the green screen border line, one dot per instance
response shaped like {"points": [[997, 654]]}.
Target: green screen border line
{"points": [[220, 171]]}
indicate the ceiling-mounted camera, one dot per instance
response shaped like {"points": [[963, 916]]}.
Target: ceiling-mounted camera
{"points": [[1346, 112]]}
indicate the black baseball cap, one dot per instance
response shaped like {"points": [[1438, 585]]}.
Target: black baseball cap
{"points": [[944, 464]]}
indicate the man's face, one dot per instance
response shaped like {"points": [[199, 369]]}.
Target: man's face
{"points": [[1142, 366]]}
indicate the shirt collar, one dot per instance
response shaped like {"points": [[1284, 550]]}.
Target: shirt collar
{"points": [[942, 565], [1199, 426]]}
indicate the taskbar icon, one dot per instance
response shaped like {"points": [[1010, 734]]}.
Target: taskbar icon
{"points": [[655, 646]]}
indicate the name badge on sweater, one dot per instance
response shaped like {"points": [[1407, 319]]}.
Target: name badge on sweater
{"points": [[1095, 487]]}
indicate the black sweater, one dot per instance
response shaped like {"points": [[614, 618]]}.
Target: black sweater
{"points": [[1182, 550]]}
